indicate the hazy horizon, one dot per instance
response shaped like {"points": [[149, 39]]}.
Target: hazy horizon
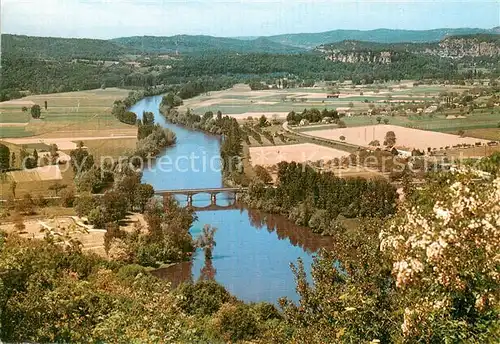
{"points": [[106, 19], [246, 37]]}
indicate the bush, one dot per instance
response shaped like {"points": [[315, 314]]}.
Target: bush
{"points": [[319, 221], [235, 322], [112, 231], [203, 297], [84, 204], [97, 217], [129, 272], [26, 205], [265, 311], [67, 198]]}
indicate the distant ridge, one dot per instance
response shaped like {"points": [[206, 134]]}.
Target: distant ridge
{"points": [[311, 40], [204, 44], [70, 48]]}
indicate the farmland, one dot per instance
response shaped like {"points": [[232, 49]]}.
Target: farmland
{"points": [[305, 152], [85, 113], [240, 99], [406, 138]]}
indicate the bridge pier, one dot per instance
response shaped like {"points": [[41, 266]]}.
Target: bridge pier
{"points": [[213, 198], [189, 200]]}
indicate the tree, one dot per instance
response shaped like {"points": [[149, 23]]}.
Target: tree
{"points": [[35, 157], [24, 109], [374, 143], [98, 217], [461, 133], [143, 194], [343, 303], [4, 157], [127, 185], [262, 121], [114, 206], [390, 138], [81, 160], [53, 152], [36, 112], [91, 180], [18, 222], [262, 174], [13, 186], [172, 100], [379, 119], [206, 241], [342, 138], [45, 105], [386, 121], [13, 160]]}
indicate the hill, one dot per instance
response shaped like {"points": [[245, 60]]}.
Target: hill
{"points": [[463, 46], [312, 40], [203, 44], [62, 48]]}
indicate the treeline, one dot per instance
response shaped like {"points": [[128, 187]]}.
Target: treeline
{"points": [[23, 74], [90, 177], [225, 126], [64, 49], [315, 199], [312, 115]]}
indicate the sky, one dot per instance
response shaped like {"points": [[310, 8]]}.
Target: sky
{"points": [[231, 18]]}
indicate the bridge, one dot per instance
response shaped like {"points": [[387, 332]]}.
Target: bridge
{"points": [[213, 192]]}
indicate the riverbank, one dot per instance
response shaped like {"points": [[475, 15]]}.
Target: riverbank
{"points": [[245, 259], [232, 152]]}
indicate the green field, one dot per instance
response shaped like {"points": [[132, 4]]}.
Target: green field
{"points": [[297, 99], [476, 120], [13, 115], [14, 132], [76, 111]]}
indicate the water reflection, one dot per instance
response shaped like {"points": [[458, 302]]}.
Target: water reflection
{"points": [[286, 230], [252, 257]]}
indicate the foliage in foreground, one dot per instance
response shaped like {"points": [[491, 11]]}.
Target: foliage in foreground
{"points": [[430, 274], [49, 293]]}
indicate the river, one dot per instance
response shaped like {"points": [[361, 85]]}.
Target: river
{"points": [[253, 250]]}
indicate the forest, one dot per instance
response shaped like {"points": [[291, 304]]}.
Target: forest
{"points": [[50, 65], [312, 66]]}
